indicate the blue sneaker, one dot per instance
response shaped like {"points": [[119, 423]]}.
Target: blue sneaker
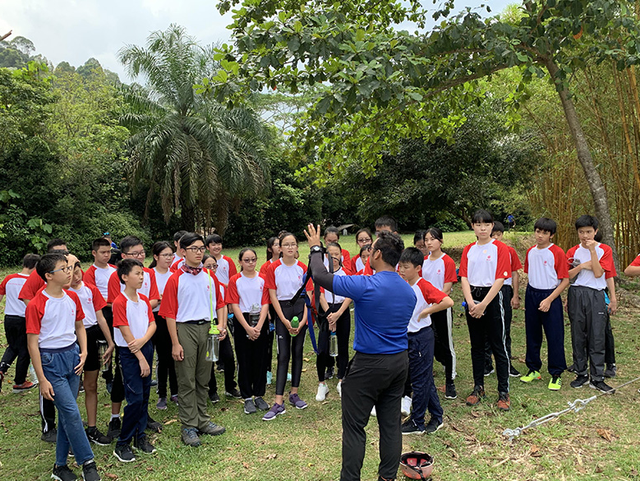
{"points": [[276, 410]]}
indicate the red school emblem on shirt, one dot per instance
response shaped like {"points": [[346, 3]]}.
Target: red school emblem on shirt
{"points": [[489, 257], [439, 271]]}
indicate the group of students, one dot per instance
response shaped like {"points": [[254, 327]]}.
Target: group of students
{"points": [[69, 322]]}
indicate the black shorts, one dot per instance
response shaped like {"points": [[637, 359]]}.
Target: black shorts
{"points": [[93, 362]]}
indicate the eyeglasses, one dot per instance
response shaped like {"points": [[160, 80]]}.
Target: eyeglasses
{"points": [[213, 267], [250, 261], [289, 246], [166, 256], [364, 240], [63, 269], [195, 249], [136, 254]]}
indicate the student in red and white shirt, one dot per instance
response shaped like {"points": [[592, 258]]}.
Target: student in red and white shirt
{"points": [[421, 345], [15, 325], [364, 239], [336, 321], [134, 326], [633, 269], [226, 267], [34, 282], [439, 270], [99, 273], [273, 254], [546, 267], [248, 300], [97, 331], [284, 279], [54, 324], [162, 258], [190, 303], [484, 266], [510, 300], [178, 255], [591, 264], [332, 236]]}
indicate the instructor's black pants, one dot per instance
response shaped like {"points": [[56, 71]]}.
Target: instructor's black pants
{"points": [[372, 380]]}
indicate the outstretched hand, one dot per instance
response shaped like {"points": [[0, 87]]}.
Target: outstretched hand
{"points": [[313, 235]]}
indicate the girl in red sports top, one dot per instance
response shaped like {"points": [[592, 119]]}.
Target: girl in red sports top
{"points": [[359, 260], [284, 279], [440, 270]]}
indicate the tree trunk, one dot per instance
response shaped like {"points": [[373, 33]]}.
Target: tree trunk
{"points": [[598, 192], [188, 218]]}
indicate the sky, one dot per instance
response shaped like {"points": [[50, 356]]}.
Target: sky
{"points": [[76, 30]]}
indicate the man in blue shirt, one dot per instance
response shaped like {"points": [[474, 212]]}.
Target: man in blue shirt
{"points": [[376, 375]]}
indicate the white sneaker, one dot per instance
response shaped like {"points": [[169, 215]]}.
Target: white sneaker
{"points": [[323, 389], [406, 406], [373, 411], [339, 388]]}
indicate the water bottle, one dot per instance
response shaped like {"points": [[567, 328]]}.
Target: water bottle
{"points": [[102, 349], [230, 325], [333, 345], [213, 344], [295, 323]]}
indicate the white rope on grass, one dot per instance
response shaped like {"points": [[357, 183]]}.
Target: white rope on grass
{"points": [[574, 406]]}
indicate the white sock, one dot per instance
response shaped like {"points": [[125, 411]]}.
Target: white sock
{"points": [[115, 416]]}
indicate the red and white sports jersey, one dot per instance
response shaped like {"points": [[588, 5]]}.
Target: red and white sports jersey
{"points": [[346, 258], [635, 262], [91, 301], [368, 270], [136, 315], [33, 284], [585, 277], [356, 264], [330, 296], [10, 287], [483, 264], [161, 282], [99, 277], [247, 291], [178, 262], [546, 267], [286, 280], [515, 265], [149, 287], [265, 267], [189, 297], [54, 318], [439, 271], [426, 295], [226, 270]]}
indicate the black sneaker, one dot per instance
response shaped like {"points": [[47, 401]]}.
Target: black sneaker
{"points": [[329, 374], [579, 381], [572, 368], [213, 397], [602, 387], [233, 393], [249, 406], [96, 437], [63, 473], [153, 426], [261, 404], [90, 471], [143, 444], [50, 436], [124, 453], [410, 427], [610, 371], [450, 391], [433, 425], [115, 425], [513, 372], [488, 370]]}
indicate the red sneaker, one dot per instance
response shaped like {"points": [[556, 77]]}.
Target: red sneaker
{"points": [[25, 386]]}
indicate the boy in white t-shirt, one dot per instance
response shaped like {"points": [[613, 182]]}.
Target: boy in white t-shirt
{"points": [[134, 326], [14, 325], [54, 324]]}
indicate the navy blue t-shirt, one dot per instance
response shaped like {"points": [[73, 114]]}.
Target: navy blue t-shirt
{"points": [[384, 304]]}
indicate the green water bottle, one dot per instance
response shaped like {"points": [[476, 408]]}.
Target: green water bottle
{"points": [[295, 323]]}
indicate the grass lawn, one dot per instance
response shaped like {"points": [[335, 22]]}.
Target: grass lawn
{"points": [[600, 442]]}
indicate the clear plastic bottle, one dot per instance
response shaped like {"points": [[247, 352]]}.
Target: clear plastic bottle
{"points": [[333, 344], [102, 349], [213, 344]]}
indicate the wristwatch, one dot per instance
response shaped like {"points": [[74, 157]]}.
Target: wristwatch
{"points": [[315, 249]]}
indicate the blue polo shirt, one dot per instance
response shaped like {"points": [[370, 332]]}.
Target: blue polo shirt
{"points": [[383, 304]]}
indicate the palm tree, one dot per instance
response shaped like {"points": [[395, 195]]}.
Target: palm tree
{"points": [[198, 155]]}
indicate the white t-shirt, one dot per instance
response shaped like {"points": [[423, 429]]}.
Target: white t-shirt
{"points": [[247, 292], [585, 277], [189, 297], [286, 280], [483, 264], [10, 288], [426, 295], [53, 319], [99, 277], [546, 267], [136, 315], [330, 296], [91, 301], [161, 281]]}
